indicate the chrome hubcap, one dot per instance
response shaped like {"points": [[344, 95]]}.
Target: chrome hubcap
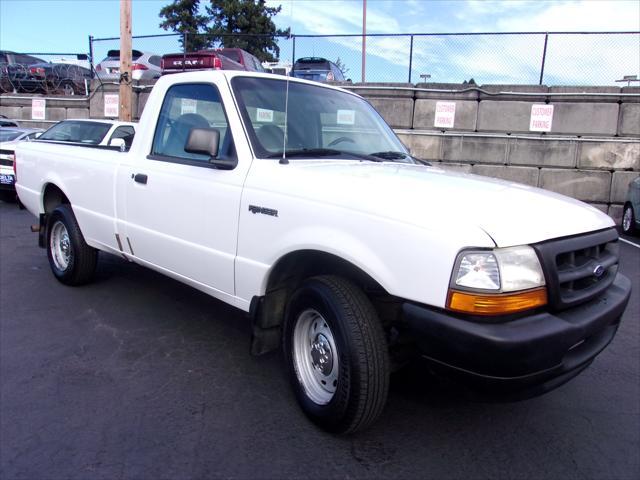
{"points": [[60, 246], [315, 357], [626, 219]]}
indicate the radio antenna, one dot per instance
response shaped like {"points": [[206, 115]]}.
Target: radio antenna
{"points": [[283, 160]]}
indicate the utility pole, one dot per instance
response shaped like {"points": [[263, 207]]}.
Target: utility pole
{"points": [[364, 38], [125, 61]]}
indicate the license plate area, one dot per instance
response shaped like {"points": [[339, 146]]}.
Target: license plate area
{"points": [[7, 179]]}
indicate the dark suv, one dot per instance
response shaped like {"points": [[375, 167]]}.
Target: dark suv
{"points": [[317, 69]]}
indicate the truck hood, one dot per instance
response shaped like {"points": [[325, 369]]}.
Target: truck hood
{"points": [[432, 198]]}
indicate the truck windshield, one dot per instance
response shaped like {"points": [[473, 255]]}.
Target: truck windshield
{"points": [[318, 118], [74, 131]]}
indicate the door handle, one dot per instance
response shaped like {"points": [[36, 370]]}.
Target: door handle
{"points": [[140, 178]]}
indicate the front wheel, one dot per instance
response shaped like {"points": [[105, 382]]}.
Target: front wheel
{"points": [[336, 354], [628, 220], [72, 261]]}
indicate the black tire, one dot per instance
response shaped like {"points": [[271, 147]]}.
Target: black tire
{"points": [[79, 264], [361, 349], [631, 225]]}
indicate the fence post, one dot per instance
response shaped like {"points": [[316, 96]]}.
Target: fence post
{"points": [[410, 57], [91, 52], [293, 53], [184, 50], [544, 57]]}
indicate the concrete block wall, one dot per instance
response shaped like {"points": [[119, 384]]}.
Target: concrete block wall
{"points": [[18, 107]]}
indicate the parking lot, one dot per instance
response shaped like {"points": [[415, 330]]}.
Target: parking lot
{"points": [[138, 376]]}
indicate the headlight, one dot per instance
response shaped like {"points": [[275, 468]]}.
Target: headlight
{"points": [[496, 282]]}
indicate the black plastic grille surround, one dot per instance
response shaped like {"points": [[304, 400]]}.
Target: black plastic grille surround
{"points": [[578, 268]]}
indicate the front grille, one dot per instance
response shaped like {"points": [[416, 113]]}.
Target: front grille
{"points": [[578, 268]]}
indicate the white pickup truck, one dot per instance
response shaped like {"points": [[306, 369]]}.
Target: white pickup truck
{"points": [[296, 203]]}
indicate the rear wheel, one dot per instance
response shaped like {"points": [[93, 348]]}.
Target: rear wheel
{"points": [[72, 261], [628, 220], [336, 354]]}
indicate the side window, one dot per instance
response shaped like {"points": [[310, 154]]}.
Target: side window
{"points": [[125, 132], [154, 60], [185, 107]]}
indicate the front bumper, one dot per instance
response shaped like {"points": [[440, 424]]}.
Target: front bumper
{"points": [[523, 357]]}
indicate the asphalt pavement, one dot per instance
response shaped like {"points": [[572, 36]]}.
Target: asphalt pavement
{"points": [[138, 376]]}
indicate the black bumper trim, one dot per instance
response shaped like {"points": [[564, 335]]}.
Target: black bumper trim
{"points": [[533, 350]]}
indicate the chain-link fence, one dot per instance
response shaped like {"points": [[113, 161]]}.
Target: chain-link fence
{"points": [[48, 73], [554, 58]]}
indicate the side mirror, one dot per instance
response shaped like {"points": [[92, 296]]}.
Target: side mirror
{"points": [[38, 134], [118, 142], [206, 141]]}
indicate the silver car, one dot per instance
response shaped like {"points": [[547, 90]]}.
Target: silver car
{"points": [[9, 138], [144, 66], [631, 212]]}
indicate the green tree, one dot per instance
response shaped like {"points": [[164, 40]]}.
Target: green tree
{"points": [[245, 24], [343, 68], [183, 16]]}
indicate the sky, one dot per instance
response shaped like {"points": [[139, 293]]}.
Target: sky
{"points": [[63, 26]]}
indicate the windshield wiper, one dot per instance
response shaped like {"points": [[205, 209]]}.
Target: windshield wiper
{"points": [[397, 155], [324, 152]]}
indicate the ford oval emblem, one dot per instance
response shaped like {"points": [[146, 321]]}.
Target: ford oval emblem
{"points": [[598, 271]]}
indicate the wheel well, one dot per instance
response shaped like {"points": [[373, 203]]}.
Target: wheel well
{"points": [[268, 312], [53, 197]]}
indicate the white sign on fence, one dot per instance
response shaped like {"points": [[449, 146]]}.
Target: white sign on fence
{"points": [[38, 108], [445, 114], [541, 118], [111, 104]]}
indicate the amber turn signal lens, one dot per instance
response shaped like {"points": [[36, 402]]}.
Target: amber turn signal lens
{"points": [[496, 304]]}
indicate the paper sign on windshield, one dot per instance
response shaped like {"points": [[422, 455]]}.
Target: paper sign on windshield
{"points": [[263, 115], [111, 106], [38, 106], [445, 114], [188, 105], [346, 117], [541, 118]]}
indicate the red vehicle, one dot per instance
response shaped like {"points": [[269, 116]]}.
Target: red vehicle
{"points": [[221, 59]]}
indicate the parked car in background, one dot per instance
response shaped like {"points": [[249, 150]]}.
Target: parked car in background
{"points": [[277, 68], [631, 212], [9, 138], [144, 66], [91, 132], [317, 69], [244, 58], [19, 62], [4, 122], [53, 78], [200, 60]]}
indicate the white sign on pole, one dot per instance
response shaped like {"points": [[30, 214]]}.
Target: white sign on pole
{"points": [[38, 108], [111, 104], [541, 118], [445, 114]]}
